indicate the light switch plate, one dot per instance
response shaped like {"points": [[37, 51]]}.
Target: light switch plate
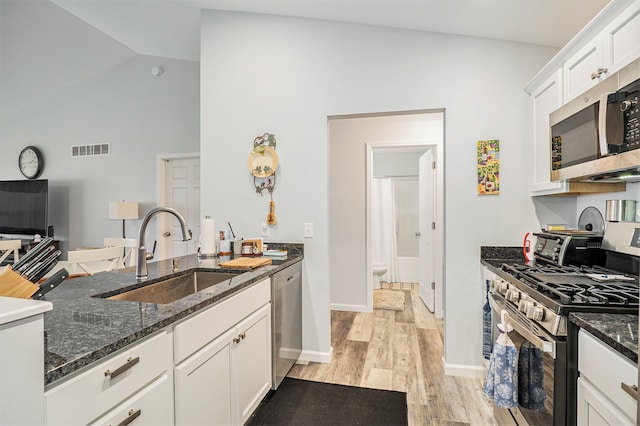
{"points": [[308, 230], [264, 229]]}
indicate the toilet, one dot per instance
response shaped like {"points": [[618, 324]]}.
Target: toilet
{"points": [[379, 269]]}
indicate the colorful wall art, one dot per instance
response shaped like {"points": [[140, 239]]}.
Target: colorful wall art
{"points": [[489, 167]]}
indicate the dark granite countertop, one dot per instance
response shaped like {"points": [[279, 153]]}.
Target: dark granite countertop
{"points": [[620, 331], [82, 329], [494, 256]]}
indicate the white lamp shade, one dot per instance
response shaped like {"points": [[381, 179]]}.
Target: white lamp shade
{"points": [[123, 210]]}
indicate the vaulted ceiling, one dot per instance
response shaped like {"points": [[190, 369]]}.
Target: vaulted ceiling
{"points": [[171, 28]]}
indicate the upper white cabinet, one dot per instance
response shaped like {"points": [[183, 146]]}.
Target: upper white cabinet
{"points": [[607, 44], [544, 99], [584, 69], [620, 39], [611, 49]]}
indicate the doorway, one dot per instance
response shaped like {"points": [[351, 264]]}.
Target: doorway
{"points": [[406, 247], [352, 139], [178, 186]]}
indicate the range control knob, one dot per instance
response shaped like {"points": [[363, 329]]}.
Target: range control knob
{"points": [[536, 313], [501, 286], [524, 306], [512, 295], [627, 105]]}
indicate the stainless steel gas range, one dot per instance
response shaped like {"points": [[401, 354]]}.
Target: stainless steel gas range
{"points": [[572, 272]]}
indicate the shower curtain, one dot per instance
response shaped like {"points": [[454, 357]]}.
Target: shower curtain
{"points": [[383, 221]]}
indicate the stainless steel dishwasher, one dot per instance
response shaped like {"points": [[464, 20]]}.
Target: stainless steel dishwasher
{"points": [[286, 315]]}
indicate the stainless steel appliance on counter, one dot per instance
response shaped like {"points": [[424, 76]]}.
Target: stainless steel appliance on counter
{"points": [[595, 136], [286, 315], [539, 296]]}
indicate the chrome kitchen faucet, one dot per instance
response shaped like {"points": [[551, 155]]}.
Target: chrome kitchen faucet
{"points": [[143, 256]]}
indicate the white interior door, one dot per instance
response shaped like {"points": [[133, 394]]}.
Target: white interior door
{"points": [[182, 192], [427, 233]]}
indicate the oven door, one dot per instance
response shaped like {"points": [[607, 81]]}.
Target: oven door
{"points": [[554, 364]]}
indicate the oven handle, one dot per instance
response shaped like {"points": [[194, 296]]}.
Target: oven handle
{"points": [[539, 342]]}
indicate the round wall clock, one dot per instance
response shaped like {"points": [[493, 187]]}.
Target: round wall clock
{"points": [[31, 162]]}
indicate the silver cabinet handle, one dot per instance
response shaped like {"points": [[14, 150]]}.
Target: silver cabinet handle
{"points": [[132, 416], [598, 73], [126, 366], [632, 390], [418, 234]]}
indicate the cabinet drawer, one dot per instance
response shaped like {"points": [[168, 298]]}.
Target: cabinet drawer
{"points": [[151, 406], [606, 369], [90, 394], [200, 329]]}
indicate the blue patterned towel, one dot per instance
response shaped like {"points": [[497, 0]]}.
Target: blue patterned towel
{"points": [[501, 384], [531, 392]]}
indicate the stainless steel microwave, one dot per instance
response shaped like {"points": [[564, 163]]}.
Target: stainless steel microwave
{"points": [[595, 136]]}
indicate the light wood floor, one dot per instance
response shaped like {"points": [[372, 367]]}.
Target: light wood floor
{"points": [[402, 351]]}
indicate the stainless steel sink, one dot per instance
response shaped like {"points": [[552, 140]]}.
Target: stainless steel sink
{"points": [[174, 288]]}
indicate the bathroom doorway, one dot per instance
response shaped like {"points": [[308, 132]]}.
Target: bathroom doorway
{"points": [[350, 184]]}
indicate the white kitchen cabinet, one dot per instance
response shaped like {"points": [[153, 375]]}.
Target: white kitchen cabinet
{"points": [[608, 43], [90, 394], [602, 370], [609, 50], [203, 384], [152, 406], [227, 377], [544, 99], [251, 363], [584, 69], [620, 39]]}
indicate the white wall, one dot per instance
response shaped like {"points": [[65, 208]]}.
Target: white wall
{"points": [[286, 76], [90, 89]]}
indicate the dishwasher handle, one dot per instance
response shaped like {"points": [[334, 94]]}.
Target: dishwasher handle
{"points": [[293, 277]]}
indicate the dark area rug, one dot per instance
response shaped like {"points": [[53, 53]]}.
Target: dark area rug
{"points": [[302, 402]]}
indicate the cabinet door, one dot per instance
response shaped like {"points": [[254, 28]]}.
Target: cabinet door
{"points": [[203, 385], [596, 409], [151, 406], [544, 100], [581, 71], [620, 38], [251, 362]]}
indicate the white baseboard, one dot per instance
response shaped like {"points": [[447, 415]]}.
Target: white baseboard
{"points": [[463, 370], [315, 356], [350, 308]]}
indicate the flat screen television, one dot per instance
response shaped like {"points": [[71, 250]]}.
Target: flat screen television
{"points": [[23, 207]]}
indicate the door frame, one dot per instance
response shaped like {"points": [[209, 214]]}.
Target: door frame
{"points": [[439, 218], [162, 160]]}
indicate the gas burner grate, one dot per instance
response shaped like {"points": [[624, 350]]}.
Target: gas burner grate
{"points": [[571, 285], [594, 294]]}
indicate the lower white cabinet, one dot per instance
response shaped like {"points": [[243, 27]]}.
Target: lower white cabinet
{"points": [[212, 368], [203, 385], [603, 372], [149, 407], [223, 382], [251, 363], [88, 395]]}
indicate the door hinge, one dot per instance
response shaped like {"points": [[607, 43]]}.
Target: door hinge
{"points": [[433, 164], [433, 225], [433, 285]]}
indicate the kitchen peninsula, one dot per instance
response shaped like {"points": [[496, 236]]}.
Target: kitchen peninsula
{"points": [[85, 330]]}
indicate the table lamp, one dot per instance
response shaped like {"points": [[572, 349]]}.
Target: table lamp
{"points": [[123, 210]]}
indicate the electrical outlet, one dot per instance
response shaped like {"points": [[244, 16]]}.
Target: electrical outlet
{"points": [[308, 230], [264, 229]]}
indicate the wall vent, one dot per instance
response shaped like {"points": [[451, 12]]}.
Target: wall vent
{"points": [[91, 150]]}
